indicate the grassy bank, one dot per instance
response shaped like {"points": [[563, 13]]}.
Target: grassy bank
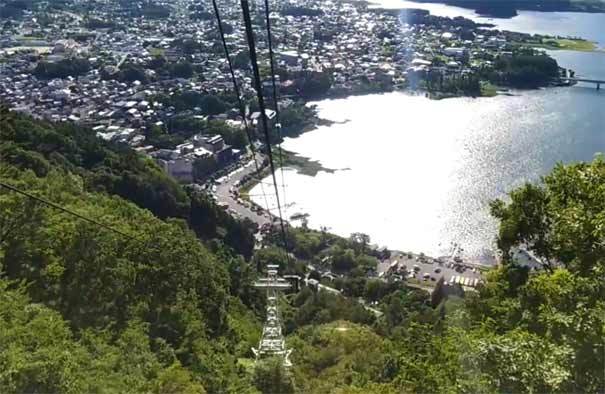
{"points": [[488, 90], [562, 43], [303, 165], [569, 44], [244, 191]]}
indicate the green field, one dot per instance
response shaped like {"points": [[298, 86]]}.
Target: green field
{"points": [[569, 44], [488, 90], [561, 43], [156, 52]]}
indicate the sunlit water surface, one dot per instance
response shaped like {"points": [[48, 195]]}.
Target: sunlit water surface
{"points": [[417, 174], [573, 24]]}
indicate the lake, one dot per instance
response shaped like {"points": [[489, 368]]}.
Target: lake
{"points": [[418, 174], [573, 24]]}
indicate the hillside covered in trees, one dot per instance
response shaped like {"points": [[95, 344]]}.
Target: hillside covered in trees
{"points": [[167, 305], [117, 170]]}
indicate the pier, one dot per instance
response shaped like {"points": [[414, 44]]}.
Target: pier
{"points": [[571, 81], [568, 79], [587, 80]]}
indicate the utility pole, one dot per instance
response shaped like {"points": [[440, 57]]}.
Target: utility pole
{"points": [[272, 342]]}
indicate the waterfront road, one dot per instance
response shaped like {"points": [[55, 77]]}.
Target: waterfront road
{"points": [[224, 194]]}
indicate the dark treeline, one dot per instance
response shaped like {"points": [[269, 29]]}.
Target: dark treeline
{"points": [[509, 8], [301, 11], [524, 71], [62, 69]]}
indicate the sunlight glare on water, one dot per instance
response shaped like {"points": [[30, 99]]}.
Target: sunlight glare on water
{"points": [[417, 174]]}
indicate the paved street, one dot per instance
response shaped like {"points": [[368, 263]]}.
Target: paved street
{"points": [[240, 208], [434, 268]]}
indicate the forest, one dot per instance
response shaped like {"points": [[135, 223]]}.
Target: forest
{"points": [[164, 301]]}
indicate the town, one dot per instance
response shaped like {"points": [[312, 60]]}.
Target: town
{"points": [[220, 196], [155, 77], [160, 82]]}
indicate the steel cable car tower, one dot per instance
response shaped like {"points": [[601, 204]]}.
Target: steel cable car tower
{"points": [[272, 342]]}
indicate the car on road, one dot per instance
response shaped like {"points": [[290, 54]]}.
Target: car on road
{"points": [[426, 276]]}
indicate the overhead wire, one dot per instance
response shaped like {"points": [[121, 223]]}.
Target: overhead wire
{"points": [[263, 118], [246, 125], [278, 124], [240, 104], [67, 211], [263, 114], [145, 244]]}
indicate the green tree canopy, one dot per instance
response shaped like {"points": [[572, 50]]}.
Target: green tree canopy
{"points": [[561, 221], [115, 169]]}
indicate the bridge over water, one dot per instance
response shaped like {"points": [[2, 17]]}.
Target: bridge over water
{"points": [[568, 78], [588, 80]]}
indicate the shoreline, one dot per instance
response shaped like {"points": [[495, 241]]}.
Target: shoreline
{"points": [[304, 165], [490, 90], [243, 193], [491, 10], [452, 260], [253, 181]]}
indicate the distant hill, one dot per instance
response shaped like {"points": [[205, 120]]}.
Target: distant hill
{"points": [[509, 8]]}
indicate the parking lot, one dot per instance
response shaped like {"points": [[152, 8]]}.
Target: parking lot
{"points": [[428, 269]]}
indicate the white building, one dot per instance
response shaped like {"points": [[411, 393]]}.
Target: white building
{"points": [[453, 51], [181, 168]]}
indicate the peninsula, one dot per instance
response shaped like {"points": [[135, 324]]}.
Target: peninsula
{"points": [[509, 8]]}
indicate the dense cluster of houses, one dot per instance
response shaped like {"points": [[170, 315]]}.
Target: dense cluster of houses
{"points": [[348, 43]]}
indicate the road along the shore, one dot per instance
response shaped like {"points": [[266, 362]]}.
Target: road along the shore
{"points": [[226, 193]]}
